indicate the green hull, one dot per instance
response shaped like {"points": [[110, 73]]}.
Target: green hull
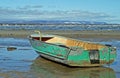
{"points": [[74, 55]]}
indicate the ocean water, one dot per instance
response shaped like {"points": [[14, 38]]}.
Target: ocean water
{"points": [[61, 27]]}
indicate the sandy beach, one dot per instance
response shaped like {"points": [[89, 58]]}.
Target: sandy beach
{"points": [[66, 33]]}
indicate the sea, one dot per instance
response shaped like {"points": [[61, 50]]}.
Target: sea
{"points": [[62, 27]]}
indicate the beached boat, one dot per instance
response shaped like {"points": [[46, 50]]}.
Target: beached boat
{"points": [[72, 52]]}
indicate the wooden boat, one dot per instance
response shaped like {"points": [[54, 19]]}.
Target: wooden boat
{"points": [[72, 52]]}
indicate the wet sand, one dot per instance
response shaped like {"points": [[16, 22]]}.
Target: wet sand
{"points": [[66, 33]]}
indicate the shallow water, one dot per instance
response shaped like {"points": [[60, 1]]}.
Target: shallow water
{"points": [[61, 27], [24, 62]]}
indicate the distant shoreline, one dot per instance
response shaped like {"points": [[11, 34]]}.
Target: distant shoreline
{"points": [[67, 33], [22, 24]]}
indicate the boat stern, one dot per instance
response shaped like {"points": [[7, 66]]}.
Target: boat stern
{"points": [[89, 58]]}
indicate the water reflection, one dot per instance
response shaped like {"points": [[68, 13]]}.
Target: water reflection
{"points": [[48, 69]]}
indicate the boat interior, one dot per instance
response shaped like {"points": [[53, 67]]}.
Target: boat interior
{"points": [[69, 42]]}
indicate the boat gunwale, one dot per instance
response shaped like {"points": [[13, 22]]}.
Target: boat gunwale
{"points": [[44, 35]]}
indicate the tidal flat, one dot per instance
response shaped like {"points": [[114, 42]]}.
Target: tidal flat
{"points": [[19, 60]]}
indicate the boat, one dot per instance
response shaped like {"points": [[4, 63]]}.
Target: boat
{"points": [[72, 52]]}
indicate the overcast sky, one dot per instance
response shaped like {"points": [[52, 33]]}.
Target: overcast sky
{"points": [[81, 10]]}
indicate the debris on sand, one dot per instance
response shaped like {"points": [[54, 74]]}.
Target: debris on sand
{"points": [[11, 48]]}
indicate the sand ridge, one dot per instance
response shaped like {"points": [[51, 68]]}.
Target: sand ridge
{"points": [[66, 33]]}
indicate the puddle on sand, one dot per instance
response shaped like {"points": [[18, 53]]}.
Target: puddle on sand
{"points": [[16, 57], [18, 60], [23, 63], [49, 69]]}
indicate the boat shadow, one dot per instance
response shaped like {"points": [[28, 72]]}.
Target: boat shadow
{"points": [[49, 69]]}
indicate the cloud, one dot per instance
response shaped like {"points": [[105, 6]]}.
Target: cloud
{"points": [[30, 7], [35, 13], [76, 15], [24, 11]]}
